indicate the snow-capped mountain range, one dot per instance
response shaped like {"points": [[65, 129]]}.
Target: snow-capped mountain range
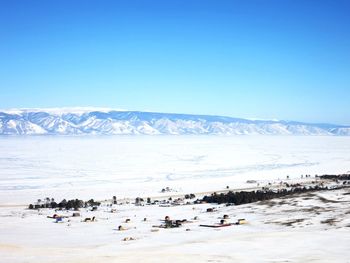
{"points": [[101, 121]]}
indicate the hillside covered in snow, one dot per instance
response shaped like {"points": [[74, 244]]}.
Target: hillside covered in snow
{"points": [[113, 122]]}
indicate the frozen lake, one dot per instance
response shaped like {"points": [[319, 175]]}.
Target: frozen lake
{"points": [[99, 167]]}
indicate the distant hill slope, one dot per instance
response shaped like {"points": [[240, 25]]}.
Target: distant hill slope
{"points": [[113, 122]]}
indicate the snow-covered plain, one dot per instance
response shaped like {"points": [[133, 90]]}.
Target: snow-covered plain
{"points": [[129, 166], [312, 227]]}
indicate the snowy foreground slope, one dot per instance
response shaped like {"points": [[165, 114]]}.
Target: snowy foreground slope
{"points": [[311, 227], [78, 121]]}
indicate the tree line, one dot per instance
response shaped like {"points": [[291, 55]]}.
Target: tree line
{"points": [[64, 204], [245, 197]]}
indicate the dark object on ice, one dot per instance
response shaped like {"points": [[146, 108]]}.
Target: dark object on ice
{"points": [[166, 189], [88, 219], [217, 225], [251, 181]]}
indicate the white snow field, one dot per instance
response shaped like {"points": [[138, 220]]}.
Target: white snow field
{"points": [[311, 227], [129, 166]]}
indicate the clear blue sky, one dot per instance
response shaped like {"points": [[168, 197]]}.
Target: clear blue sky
{"points": [[285, 59]]}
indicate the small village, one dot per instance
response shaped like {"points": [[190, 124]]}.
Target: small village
{"points": [[72, 212]]}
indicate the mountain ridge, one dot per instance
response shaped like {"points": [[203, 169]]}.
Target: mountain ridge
{"points": [[104, 121]]}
